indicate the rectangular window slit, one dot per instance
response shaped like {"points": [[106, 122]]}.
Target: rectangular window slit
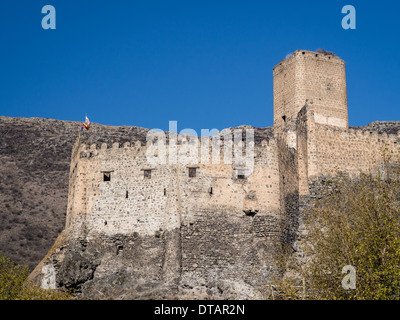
{"points": [[147, 174], [106, 176], [192, 172]]}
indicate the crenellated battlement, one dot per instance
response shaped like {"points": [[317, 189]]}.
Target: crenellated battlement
{"points": [[207, 150], [138, 145], [359, 134], [307, 54], [325, 149]]}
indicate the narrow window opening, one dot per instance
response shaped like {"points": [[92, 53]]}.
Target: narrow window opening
{"points": [[192, 172], [106, 176], [283, 120], [165, 192], [147, 174], [210, 190], [283, 180], [126, 194]]}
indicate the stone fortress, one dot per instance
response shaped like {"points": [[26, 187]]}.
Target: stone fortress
{"points": [[136, 230]]}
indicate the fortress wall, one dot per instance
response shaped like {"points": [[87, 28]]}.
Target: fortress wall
{"points": [[233, 249], [77, 194], [216, 185], [287, 165], [217, 238], [352, 150], [219, 241], [133, 218], [302, 150], [289, 190], [131, 202], [204, 228], [73, 173]]}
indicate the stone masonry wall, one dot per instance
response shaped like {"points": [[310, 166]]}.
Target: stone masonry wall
{"points": [[214, 226], [289, 191], [331, 149]]}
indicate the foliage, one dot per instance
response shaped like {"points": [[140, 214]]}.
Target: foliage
{"points": [[13, 284], [356, 223]]}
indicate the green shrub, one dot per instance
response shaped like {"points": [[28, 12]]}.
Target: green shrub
{"points": [[14, 284]]}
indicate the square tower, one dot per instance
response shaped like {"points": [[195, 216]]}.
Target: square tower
{"points": [[319, 78]]}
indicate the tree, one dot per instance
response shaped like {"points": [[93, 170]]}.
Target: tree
{"points": [[13, 284], [355, 222]]}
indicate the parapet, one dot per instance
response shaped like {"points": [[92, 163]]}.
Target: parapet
{"points": [[358, 134], [322, 55], [190, 149], [138, 145]]}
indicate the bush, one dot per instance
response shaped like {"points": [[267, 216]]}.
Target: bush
{"points": [[14, 285], [355, 223]]}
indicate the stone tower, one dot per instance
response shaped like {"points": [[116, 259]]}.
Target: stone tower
{"points": [[318, 78]]}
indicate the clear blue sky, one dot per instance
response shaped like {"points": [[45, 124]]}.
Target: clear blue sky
{"points": [[206, 64]]}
